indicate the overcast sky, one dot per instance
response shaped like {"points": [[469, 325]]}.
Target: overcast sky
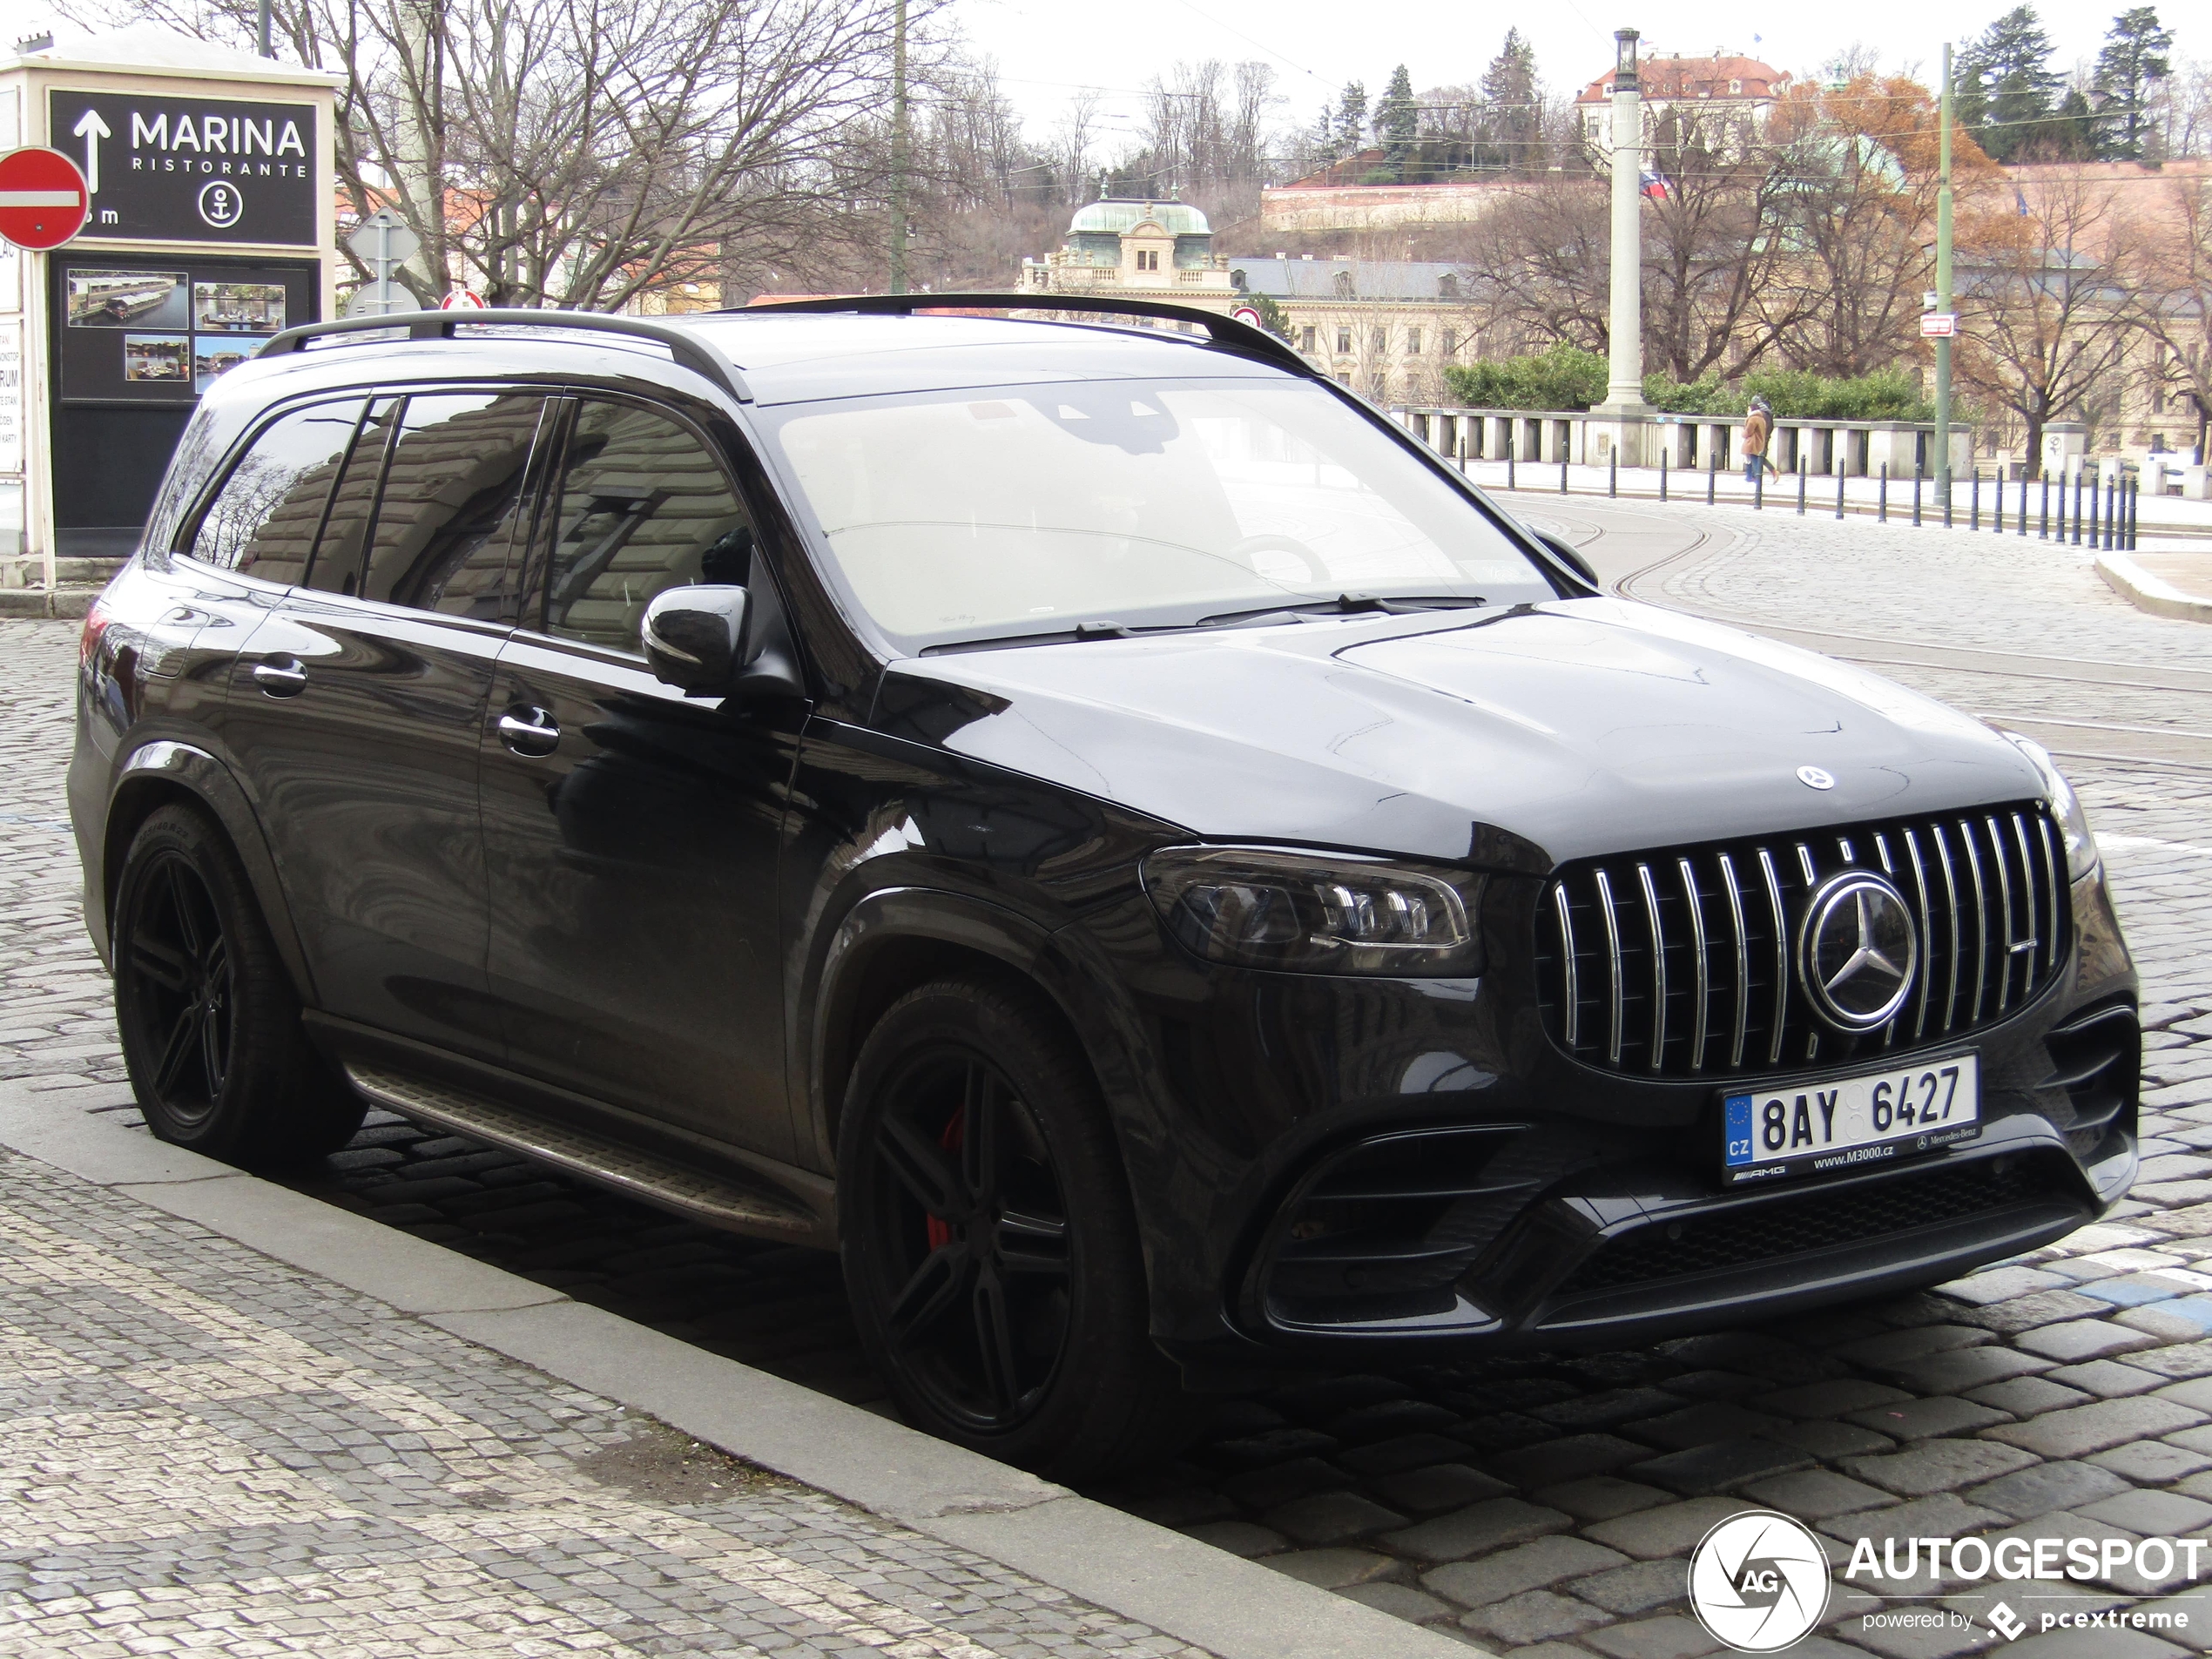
{"points": [[1047, 49]]}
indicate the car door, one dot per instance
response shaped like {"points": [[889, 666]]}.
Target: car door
{"points": [[630, 832], [356, 707]]}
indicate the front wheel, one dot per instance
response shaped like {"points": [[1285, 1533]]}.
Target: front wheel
{"points": [[210, 1024], [989, 1244]]}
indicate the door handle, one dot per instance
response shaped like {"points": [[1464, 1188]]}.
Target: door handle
{"points": [[530, 731], [280, 677]]}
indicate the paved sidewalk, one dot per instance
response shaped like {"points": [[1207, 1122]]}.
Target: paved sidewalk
{"points": [[208, 1453], [1545, 1502]]}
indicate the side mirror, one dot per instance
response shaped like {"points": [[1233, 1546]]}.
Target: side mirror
{"points": [[694, 638]]}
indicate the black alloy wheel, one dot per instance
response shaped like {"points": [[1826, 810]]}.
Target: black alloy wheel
{"points": [[178, 970], [210, 1022], [977, 1225], [990, 1247]]}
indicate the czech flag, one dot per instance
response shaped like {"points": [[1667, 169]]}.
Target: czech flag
{"points": [[1654, 185]]}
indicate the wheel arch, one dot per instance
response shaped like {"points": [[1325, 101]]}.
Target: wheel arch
{"points": [[165, 773], [895, 939]]}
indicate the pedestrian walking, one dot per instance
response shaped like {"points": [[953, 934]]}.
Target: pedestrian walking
{"points": [[1758, 429]]}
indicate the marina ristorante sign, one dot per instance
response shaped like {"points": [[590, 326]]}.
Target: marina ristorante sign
{"points": [[190, 170]]}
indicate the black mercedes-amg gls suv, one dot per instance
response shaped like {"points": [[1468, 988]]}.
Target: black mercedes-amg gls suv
{"points": [[1096, 824]]}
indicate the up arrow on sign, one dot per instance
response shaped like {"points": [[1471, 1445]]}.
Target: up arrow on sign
{"points": [[91, 129]]}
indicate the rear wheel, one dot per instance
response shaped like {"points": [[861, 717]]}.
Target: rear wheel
{"points": [[210, 1024], [988, 1241]]}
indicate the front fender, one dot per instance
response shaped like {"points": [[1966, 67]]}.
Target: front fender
{"points": [[165, 769]]}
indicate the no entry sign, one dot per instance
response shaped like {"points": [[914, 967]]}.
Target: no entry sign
{"points": [[43, 201]]}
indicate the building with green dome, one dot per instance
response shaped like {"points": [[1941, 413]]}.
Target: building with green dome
{"points": [[1151, 250]]}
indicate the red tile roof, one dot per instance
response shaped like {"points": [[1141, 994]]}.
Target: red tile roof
{"points": [[1685, 77]]}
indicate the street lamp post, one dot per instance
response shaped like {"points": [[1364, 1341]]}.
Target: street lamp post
{"points": [[898, 149], [1624, 403], [1943, 288]]}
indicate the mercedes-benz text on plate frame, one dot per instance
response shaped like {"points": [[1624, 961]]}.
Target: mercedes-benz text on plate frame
{"points": [[1825, 1127]]}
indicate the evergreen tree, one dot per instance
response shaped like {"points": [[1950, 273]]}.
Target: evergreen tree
{"points": [[2072, 133], [1352, 119], [2134, 55], [1397, 121], [1509, 90], [2015, 83]]}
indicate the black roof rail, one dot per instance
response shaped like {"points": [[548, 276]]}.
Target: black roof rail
{"points": [[1225, 331], [688, 347]]}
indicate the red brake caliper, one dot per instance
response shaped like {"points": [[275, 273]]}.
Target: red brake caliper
{"points": [[941, 1232]]}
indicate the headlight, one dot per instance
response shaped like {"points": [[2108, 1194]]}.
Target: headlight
{"points": [[2065, 806], [1315, 913]]}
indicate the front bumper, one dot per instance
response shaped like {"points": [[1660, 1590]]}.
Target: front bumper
{"points": [[1425, 1173]]}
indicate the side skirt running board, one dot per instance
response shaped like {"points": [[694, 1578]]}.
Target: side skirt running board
{"points": [[703, 1196]]}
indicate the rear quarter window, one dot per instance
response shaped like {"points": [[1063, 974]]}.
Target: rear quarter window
{"points": [[263, 519]]}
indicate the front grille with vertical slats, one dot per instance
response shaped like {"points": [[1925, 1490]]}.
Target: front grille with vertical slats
{"points": [[1682, 962]]}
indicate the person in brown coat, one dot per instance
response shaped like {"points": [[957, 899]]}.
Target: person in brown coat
{"points": [[1759, 429]]}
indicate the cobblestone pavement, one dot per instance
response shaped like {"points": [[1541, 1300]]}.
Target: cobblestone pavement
{"points": [[1542, 1503], [209, 1453]]}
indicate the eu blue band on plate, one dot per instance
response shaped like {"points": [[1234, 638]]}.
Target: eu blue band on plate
{"points": [[1737, 1122]]}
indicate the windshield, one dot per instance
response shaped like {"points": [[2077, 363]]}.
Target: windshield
{"points": [[965, 516]]}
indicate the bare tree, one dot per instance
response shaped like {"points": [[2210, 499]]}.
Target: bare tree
{"points": [[1711, 259], [2175, 283], [2047, 309], [1857, 214], [1540, 261], [578, 153]]}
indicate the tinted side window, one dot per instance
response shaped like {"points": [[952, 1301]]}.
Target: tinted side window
{"points": [[337, 567], [453, 487], [263, 521], [640, 505]]}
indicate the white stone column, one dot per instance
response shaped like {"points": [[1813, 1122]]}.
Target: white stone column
{"points": [[1624, 412]]}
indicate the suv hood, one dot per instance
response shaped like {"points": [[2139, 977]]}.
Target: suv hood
{"points": [[1524, 737]]}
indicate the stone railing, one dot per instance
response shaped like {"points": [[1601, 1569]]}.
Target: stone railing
{"points": [[1588, 437]]}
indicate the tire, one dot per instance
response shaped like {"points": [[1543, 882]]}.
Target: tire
{"points": [[210, 1024], [1002, 1299]]}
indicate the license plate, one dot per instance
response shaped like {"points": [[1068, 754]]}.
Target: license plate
{"points": [[1848, 1123]]}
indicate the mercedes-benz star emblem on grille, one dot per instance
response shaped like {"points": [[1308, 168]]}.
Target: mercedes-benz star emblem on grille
{"points": [[1813, 778], [1857, 950]]}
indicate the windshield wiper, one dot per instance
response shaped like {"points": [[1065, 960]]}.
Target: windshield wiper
{"points": [[1345, 604], [1352, 604]]}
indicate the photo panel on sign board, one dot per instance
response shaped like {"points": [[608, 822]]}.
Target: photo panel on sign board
{"points": [[212, 358], [162, 358], [129, 300], [238, 307]]}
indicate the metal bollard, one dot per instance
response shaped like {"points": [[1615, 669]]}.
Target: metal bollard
{"points": [[2135, 510], [1997, 521], [1758, 487], [1882, 497], [2023, 530], [2112, 501], [1712, 475], [1839, 495], [1662, 475], [1800, 486], [1510, 483], [2077, 509], [1562, 474], [1950, 494], [1613, 475], [1916, 497], [1973, 503], [2043, 518]]}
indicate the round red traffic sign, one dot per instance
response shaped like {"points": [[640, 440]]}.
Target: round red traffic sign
{"points": [[42, 199], [460, 299]]}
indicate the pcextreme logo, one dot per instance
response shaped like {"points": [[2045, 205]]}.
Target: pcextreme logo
{"points": [[1760, 1582]]}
